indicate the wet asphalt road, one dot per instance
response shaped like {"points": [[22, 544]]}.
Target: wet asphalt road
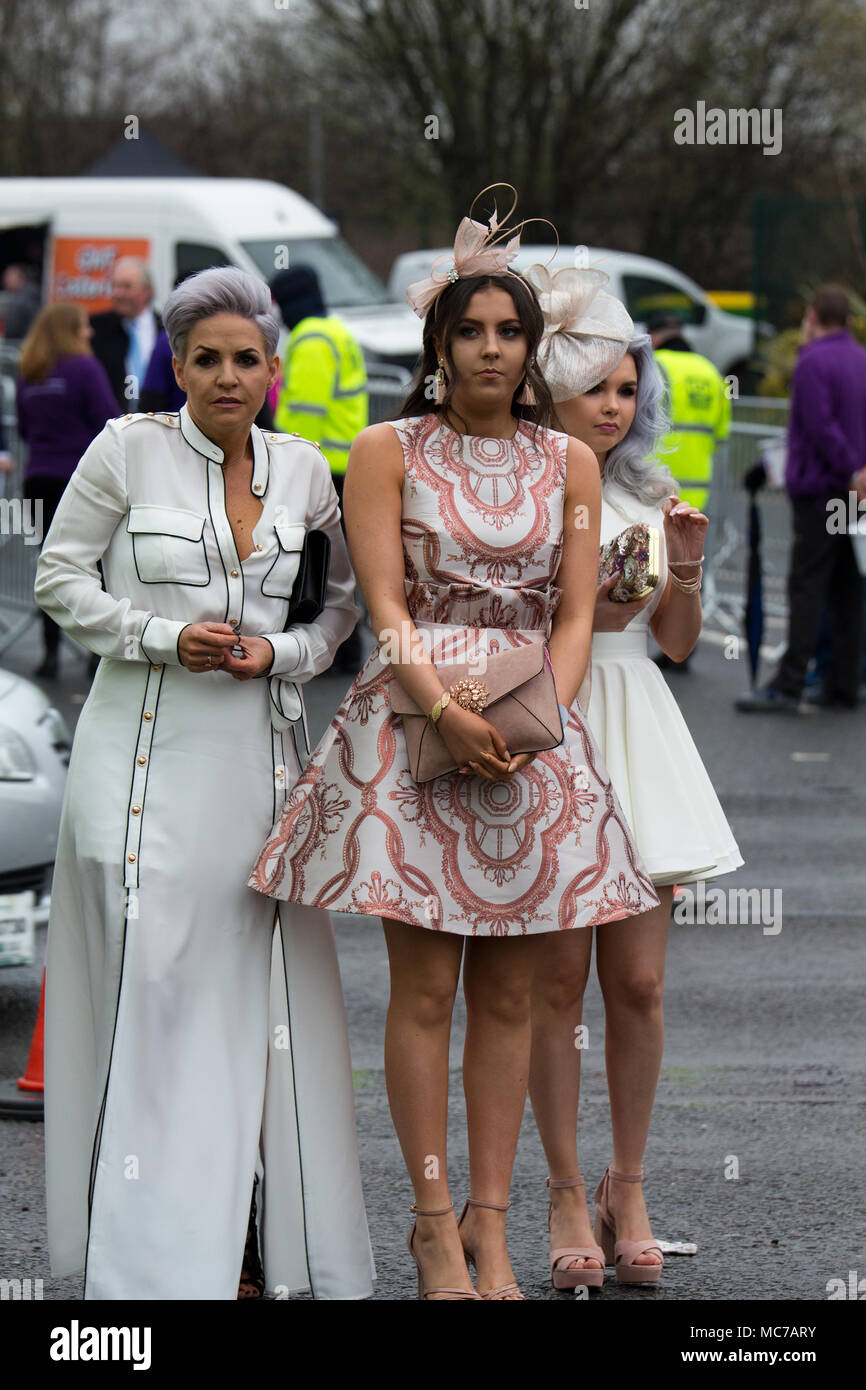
{"points": [[764, 1057]]}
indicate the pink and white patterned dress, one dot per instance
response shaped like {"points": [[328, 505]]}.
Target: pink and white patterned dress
{"points": [[482, 531]]}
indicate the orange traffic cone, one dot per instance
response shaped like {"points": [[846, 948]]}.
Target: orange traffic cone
{"points": [[32, 1079]]}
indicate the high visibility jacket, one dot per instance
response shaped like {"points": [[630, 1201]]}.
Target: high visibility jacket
{"points": [[324, 392], [700, 412]]}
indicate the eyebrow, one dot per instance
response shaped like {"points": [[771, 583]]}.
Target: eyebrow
{"points": [[500, 324], [205, 347]]}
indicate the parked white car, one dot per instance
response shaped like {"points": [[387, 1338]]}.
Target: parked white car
{"points": [[34, 752], [644, 285]]}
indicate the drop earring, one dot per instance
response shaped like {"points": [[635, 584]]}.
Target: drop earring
{"points": [[527, 395], [441, 384]]}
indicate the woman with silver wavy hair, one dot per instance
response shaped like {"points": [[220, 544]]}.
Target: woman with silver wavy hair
{"points": [[195, 1038], [656, 770]]}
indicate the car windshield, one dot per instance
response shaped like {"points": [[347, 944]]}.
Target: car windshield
{"points": [[347, 283]]}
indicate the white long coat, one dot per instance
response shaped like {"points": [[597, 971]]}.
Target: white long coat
{"points": [[188, 1044]]}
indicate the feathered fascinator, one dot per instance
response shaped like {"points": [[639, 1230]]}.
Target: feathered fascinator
{"points": [[478, 250], [586, 332]]}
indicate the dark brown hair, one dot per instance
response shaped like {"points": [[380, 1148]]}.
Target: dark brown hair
{"points": [[442, 319], [832, 306]]}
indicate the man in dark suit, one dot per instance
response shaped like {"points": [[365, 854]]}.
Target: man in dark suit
{"points": [[124, 337]]}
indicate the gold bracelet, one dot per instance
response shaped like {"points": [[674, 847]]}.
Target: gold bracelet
{"points": [[442, 703], [683, 564]]}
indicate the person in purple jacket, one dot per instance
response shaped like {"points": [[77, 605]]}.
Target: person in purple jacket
{"points": [[825, 473], [64, 399]]}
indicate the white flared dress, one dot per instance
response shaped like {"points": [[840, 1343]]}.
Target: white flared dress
{"points": [[663, 787], [189, 1045]]}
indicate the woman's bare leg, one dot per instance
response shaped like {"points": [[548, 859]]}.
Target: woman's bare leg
{"points": [[425, 969], [497, 982], [631, 972], [554, 1079]]}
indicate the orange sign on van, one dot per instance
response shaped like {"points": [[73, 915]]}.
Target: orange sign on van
{"points": [[81, 268]]}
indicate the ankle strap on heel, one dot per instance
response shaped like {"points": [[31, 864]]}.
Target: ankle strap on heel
{"points": [[626, 1177], [441, 1211], [493, 1206], [565, 1182]]}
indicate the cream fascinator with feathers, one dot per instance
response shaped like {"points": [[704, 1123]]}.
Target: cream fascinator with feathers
{"points": [[586, 332]]}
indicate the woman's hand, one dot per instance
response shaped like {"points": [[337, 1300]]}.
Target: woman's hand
{"points": [[257, 659], [205, 646], [685, 532], [475, 745], [611, 616]]}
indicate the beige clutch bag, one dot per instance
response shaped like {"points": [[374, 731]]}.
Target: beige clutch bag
{"points": [[634, 556], [517, 696]]}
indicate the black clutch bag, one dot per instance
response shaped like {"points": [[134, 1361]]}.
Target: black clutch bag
{"points": [[311, 582]]}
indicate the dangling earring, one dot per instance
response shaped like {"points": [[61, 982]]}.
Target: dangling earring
{"points": [[441, 384], [527, 395]]}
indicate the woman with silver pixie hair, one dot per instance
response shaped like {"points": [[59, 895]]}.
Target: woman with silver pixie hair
{"points": [[195, 1038], [673, 812]]}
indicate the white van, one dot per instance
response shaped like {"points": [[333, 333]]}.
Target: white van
{"points": [[75, 228], [644, 286]]}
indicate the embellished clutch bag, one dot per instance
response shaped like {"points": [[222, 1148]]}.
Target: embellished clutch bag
{"points": [[634, 556], [515, 693]]}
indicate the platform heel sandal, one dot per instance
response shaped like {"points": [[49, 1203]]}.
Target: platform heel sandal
{"points": [[584, 1275], [451, 1295], [623, 1253], [502, 1293]]}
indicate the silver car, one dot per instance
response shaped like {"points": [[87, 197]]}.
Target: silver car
{"points": [[34, 753]]}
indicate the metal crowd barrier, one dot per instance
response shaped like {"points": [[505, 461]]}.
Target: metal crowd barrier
{"points": [[17, 559], [386, 397], [758, 427], [758, 424]]}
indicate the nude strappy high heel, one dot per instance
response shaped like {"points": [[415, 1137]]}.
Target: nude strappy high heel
{"points": [[491, 1295], [453, 1295], [584, 1275], [623, 1253]]}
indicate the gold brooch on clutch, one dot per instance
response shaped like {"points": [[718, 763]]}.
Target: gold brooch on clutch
{"points": [[471, 694]]}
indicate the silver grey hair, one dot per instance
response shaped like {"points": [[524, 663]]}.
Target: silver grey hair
{"points": [[143, 270], [222, 290], [635, 463]]}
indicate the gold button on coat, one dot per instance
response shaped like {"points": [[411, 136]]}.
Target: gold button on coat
{"points": [[131, 858], [147, 714], [141, 761]]}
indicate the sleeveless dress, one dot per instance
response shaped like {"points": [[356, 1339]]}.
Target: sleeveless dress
{"points": [[482, 530], [663, 787]]}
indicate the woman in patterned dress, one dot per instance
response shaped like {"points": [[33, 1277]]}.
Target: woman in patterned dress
{"points": [[459, 517]]}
